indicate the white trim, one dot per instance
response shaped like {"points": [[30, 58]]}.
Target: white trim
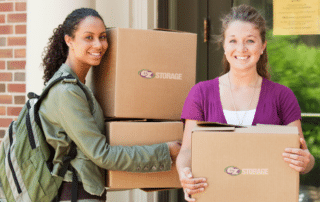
{"points": [[143, 14]]}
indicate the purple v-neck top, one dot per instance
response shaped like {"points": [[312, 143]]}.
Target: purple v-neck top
{"points": [[277, 104]]}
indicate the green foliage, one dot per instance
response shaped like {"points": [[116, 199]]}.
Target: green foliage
{"points": [[297, 66]]}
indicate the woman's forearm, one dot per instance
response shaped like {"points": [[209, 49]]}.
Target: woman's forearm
{"points": [[183, 159]]}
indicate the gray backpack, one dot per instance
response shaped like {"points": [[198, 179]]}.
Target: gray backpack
{"points": [[26, 157]]}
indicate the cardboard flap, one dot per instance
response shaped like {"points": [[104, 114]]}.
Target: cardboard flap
{"points": [[210, 129], [214, 126]]}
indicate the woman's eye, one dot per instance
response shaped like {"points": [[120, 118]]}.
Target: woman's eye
{"points": [[103, 37], [89, 37], [250, 41], [232, 41]]}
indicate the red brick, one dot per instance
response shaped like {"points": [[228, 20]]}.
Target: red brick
{"points": [[11, 65], [2, 64], [20, 53], [17, 17], [6, 53], [21, 29], [18, 88], [5, 99], [19, 99], [5, 122], [14, 111], [5, 7], [6, 29], [19, 76], [2, 133], [17, 41], [2, 88], [5, 77], [2, 18], [21, 6], [3, 41], [2, 111]]}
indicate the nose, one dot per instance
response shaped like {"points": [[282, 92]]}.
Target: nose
{"points": [[242, 47], [97, 44]]}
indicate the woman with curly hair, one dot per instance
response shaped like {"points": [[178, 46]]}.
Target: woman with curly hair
{"points": [[243, 95], [71, 114]]}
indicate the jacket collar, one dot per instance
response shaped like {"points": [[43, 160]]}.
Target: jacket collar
{"points": [[65, 68]]}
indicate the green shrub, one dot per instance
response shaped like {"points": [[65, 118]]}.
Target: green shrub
{"points": [[297, 66]]}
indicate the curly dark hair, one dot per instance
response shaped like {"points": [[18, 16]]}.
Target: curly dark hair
{"points": [[246, 13], [56, 51]]}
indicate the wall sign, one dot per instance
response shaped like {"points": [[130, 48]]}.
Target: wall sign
{"points": [[296, 17]]}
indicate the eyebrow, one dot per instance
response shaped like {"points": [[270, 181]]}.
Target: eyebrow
{"points": [[93, 33], [247, 36]]}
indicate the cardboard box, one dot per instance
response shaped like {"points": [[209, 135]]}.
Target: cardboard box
{"points": [[245, 164], [143, 133], [145, 73]]}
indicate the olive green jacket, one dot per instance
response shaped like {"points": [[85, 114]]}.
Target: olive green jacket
{"points": [[66, 116]]}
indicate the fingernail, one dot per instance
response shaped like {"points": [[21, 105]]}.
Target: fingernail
{"points": [[190, 176], [202, 189]]}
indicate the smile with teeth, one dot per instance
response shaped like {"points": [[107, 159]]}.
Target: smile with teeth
{"points": [[95, 54], [242, 58]]}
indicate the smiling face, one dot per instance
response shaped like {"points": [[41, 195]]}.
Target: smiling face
{"points": [[89, 42], [243, 45]]}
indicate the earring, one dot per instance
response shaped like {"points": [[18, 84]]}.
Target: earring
{"points": [[261, 52]]}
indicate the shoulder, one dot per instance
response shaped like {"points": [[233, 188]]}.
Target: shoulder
{"points": [[65, 90], [276, 87], [278, 91], [207, 85]]}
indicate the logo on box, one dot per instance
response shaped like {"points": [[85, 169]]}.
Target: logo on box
{"points": [[234, 171], [147, 74]]}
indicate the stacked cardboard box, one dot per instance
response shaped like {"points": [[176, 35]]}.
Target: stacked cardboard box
{"points": [[145, 74]]}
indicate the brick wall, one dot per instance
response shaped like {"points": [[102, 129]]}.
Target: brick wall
{"points": [[13, 22]]}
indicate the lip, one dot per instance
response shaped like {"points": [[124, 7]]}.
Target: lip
{"points": [[242, 57], [96, 55]]}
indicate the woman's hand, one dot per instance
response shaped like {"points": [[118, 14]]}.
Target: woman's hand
{"points": [[298, 158], [191, 185]]}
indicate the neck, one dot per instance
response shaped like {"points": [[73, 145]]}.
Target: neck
{"points": [[243, 79], [79, 69]]}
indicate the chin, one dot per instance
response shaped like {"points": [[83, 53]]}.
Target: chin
{"points": [[96, 63]]}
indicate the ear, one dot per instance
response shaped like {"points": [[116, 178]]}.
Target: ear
{"points": [[264, 46], [68, 40]]}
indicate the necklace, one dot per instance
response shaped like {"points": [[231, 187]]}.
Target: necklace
{"points": [[234, 106]]}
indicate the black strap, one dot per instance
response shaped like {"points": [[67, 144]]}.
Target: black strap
{"points": [[15, 179], [67, 159], [74, 185], [65, 167], [29, 127]]}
